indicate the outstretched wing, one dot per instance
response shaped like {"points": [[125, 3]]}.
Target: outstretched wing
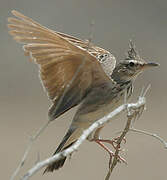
{"points": [[107, 60], [67, 71], [94, 50]]}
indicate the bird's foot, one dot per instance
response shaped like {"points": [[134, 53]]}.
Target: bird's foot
{"points": [[111, 154], [113, 142]]}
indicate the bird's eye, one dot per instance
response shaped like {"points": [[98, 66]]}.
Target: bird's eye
{"points": [[131, 64], [102, 57]]}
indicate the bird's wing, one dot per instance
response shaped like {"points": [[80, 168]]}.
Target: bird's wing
{"points": [[107, 59], [67, 71], [94, 50]]}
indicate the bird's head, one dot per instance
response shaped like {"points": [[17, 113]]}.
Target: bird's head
{"points": [[131, 67]]}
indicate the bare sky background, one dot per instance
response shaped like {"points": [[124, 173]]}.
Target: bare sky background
{"points": [[23, 104]]}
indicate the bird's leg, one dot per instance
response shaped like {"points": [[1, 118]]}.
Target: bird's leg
{"points": [[109, 141], [99, 141], [96, 138], [113, 142], [107, 149]]}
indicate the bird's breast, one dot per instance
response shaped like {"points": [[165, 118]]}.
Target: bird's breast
{"points": [[100, 103]]}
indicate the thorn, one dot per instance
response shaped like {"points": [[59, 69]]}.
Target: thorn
{"points": [[146, 90]]}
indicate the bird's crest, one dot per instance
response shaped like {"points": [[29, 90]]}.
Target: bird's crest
{"points": [[132, 53]]}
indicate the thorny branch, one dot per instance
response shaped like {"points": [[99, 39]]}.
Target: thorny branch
{"points": [[119, 141], [134, 111], [132, 115], [75, 146]]}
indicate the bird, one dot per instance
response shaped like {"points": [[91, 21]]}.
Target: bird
{"points": [[76, 72]]}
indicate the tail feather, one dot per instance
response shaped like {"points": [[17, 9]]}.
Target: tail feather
{"points": [[58, 164], [55, 165]]}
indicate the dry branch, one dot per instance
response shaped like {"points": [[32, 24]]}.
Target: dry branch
{"points": [[150, 134], [29, 146], [133, 106], [132, 114]]}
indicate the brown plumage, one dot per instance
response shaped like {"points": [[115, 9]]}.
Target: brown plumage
{"points": [[73, 72]]}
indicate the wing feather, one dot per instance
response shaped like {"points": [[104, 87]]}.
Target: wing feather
{"points": [[59, 56], [108, 64]]}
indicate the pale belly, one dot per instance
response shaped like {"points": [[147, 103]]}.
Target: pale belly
{"points": [[99, 104], [103, 110], [86, 119]]}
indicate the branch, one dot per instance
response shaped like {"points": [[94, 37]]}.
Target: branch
{"points": [[141, 102], [29, 146], [150, 134], [119, 141], [132, 114]]}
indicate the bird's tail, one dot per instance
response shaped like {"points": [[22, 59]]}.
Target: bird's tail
{"points": [[58, 164]]}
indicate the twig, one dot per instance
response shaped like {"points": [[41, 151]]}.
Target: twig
{"points": [[150, 134], [116, 154], [141, 101], [131, 114], [146, 90], [90, 34], [31, 141]]}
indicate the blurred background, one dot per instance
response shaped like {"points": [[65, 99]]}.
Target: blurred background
{"points": [[23, 103]]}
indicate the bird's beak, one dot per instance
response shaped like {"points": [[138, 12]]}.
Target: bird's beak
{"points": [[150, 64]]}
